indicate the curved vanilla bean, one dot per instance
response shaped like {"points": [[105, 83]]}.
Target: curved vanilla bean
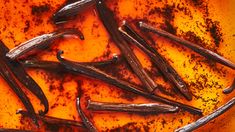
{"points": [[107, 17], [30, 84], [7, 76], [230, 88], [161, 63], [85, 120], [98, 74], [70, 10], [53, 120], [40, 42], [196, 48], [10, 79], [24, 78], [52, 65], [204, 120], [139, 108]]}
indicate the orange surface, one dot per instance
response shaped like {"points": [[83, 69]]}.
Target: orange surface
{"points": [[206, 80]]}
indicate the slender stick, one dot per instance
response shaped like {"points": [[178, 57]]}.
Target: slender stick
{"points": [[204, 120], [53, 120], [85, 120], [52, 65], [7, 76], [139, 108], [70, 10], [107, 17], [98, 74], [200, 50], [25, 79], [167, 70], [230, 88], [126, 26], [47, 65], [41, 42]]}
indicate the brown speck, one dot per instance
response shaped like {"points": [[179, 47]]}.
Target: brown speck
{"points": [[128, 96], [38, 10], [167, 26], [192, 37], [168, 12], [215, 31], [128, 127], [197, 2], [155, 10], [27, 25], [163, 123]]}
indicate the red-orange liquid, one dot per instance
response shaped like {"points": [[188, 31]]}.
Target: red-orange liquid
{"points": [[198, 19]]}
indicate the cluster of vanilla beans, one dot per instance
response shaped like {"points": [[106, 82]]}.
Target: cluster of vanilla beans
{"points": [[14, 62]]}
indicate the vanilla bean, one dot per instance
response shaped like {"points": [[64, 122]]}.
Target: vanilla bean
{"points": [[230, 88], [139, 108], [133, 34], [53, 120], [70, 10], [107, 17], [52, 65], [85, 120], [19, 72], [204, 120], [98, 74], [59, 121], [41, 42], [47, 65], [161, 63], [7, 76], [196, 48]]}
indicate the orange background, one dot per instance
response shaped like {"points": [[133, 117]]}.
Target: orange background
{"points": [[206, 80]]}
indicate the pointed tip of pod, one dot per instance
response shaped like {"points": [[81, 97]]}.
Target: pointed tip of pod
{"points": [[140, 23], [10, 56], [19, 111], [82, 37], [56, 19], [59, 53]]}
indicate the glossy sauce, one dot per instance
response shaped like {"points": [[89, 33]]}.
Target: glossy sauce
{"points": [[208, 23]]}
